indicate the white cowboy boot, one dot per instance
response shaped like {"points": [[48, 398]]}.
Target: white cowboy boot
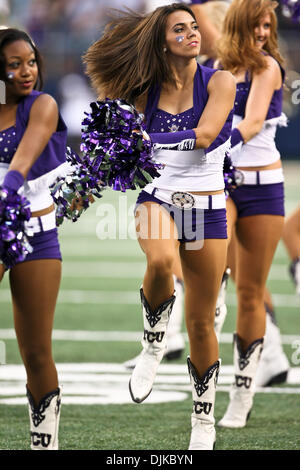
{"points": [[203, 435], [273, 366], [44, 420], [221, 308], [242, 390], [154, 344], [175, 339]]}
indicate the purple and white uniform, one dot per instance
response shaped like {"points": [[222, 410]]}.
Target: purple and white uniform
{"points": [[50, 164], [185, 171], [262, 191]]}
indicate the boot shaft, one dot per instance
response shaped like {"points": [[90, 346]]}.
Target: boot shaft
{"points": [[154, 319], [44, 420], [154, 343], [203, 434], [246, 363], [204, 391], [156, 323]]}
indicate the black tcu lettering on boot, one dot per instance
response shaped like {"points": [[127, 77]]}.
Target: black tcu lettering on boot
{"points": [[38, 438], [243, 381], [202, 407], [152, 336]]}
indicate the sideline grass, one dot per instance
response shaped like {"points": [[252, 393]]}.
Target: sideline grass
{"points": [[272, 426]]}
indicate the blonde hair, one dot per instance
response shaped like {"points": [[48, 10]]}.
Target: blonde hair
{"points": [[236, 47], [216, 12]]}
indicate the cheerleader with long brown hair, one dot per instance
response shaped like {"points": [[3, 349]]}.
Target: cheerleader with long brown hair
{"points": [[150, 61]]}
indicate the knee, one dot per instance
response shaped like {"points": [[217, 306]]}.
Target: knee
{"points": [[200, 329], [160, 265], [36, 359], [250, 298]]}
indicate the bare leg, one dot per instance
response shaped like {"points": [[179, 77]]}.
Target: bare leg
{"points": [[160, 250], [177, 270], [256, 241], [202, 271], [221, 307], [291, 234], [273, 365], [257, 237], [34, 286], [157, 238]]}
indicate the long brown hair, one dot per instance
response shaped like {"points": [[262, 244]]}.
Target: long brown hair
{"points": [[129, 58], [236, 47]]}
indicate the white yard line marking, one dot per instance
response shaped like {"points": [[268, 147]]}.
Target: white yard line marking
{"points": [[120, 336], [107, 383], [69, 296], [136, 270]]}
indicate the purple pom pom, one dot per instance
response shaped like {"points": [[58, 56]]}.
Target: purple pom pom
{"points": [[291, 9], [78, 185], [232, 177], [14, 212], [115, 147]]}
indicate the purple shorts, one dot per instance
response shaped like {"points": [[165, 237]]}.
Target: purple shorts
{"points": [[267, 199], [192, 224], [45, 246]]}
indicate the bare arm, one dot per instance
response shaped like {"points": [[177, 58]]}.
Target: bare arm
{"points": [[222, 90], [42, 124], [209, 33], [261, 92]]}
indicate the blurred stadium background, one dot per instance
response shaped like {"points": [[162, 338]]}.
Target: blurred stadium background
{"points": [[98, 318]]}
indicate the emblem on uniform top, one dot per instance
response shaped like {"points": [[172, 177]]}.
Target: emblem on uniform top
{"points": [[183, 200], [173, 128]]}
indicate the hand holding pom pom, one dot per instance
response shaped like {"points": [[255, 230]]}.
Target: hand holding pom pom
{"points": [[232, 177], [116, 148], [14, 212]]}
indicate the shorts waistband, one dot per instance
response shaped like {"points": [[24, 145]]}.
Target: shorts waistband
{"points": [[186, 200], [41, 224], [263, 177]]}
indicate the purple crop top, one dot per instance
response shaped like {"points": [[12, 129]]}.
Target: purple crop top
{"points": [[242, 93], [162, 121], [243, 90], [158, 120], [54, 153], [8, 144]]}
